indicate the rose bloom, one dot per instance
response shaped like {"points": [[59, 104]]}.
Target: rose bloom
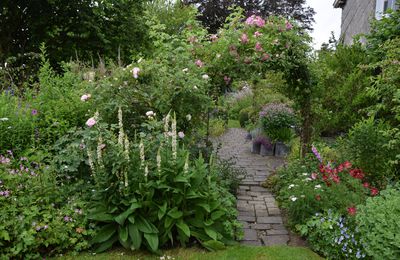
{"points": [[199, 63], [135, 72], [258, 47], [352, 211], [181, 135], [91, 122], [374, 191]]}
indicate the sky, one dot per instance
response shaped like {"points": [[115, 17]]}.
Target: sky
{"points": [[327, 19]]}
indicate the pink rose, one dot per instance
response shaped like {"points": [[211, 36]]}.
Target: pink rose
{"points": [[199, 63], [135, 72], [85, 97], [258, 47], [259, 21], [244, 39], [91, 122], [257, 33]]}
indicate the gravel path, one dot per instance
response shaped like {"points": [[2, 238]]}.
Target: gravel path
{"points": [[258, 210]]}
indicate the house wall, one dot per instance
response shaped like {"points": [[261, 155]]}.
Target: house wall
{"points": [[356, 15]]}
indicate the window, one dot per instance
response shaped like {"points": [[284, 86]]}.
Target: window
{"points": [[383, 5]]}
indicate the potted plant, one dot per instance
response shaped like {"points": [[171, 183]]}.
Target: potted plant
{"points": [[278, 121], [267, 147]]}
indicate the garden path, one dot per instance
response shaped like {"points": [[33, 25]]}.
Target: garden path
{"points": [[258, 211]]}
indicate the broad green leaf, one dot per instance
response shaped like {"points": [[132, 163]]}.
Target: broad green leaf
{"points": [[131, 219], [204, 206], [105, 233], [168, 222], [208, 222], [135, 236], [145, 226], [102, 216], [123, 233], [175, 213], [107, 244], [217, 214], [122, 217], [213, 245], [183, 227], [162, 211], [152, 240], [211, 233], [180, 179]]}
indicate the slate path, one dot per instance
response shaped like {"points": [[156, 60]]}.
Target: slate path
{"points": [[258, 211]]}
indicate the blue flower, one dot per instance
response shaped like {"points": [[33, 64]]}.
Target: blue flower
{"points": [[358, 255]]}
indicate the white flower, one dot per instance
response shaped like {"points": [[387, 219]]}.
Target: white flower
{"points": [[150, 113], [85, 97], [218, 55], [188, 117], [181, 135], [135, 72], [318, 186], [307, 179], [4, 119], [305, 174], [205, 76], [303, 196], [195, 87], [185, 70], [140, 60], [293, 198], [291, 186]]}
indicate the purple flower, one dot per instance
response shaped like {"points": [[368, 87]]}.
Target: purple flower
{"points": [[316, 153], [67, 219], [34, 112], [263, 141]]}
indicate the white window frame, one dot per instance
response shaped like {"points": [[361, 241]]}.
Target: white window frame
{"points": [[380, 8]]}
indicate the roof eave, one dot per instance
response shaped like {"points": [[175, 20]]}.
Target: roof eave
{"points": [[339, 3]]}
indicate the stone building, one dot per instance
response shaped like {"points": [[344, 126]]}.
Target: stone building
{"points": [[357, 14]]}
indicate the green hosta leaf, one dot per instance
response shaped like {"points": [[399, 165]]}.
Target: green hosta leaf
{"points": [[123, 233], [145, 226], [135, 236], [211, 233], [175, 213], [204, 206], [217, 214], [122, 217], [181, 179], [152, 240], [213, 245], [208, 222], [131, 219], [107, 244], [193, 195], [162, 211], [103, 217], [183, 227], [104, 233], [168, 222]]}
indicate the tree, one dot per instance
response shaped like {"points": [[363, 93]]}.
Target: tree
{"points": [[214, 12], [71, 28]]}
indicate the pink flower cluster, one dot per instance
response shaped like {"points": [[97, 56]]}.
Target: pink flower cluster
{"points": [[255, 20]]}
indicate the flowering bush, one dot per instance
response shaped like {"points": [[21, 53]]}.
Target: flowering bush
{"points": [[311, 186], [148, 193], [278, 120], [333, 235], [39, 217]]}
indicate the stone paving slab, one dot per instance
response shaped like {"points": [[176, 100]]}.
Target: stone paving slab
{"points": [[258, 210]]}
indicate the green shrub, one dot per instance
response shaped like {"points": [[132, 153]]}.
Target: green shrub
{"points": [[333, 235], [39, 216], [148, 194], [217, 127], [244, 116], [367, 146], [379, 224], [229, 175]]}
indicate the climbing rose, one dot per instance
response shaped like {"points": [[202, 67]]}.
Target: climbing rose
{"points": [[199, 63], [91, 122], [366, 185], [374, 191], [257, 33], [244, 39], [85, 97], [352, 211], [135, 72], [258, 47]]}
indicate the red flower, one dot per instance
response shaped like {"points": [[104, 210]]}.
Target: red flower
{"points": [[328, 183], [340, 168], [324, 177], [366, 184], [374, 191], [352, 211], [357, 174], [318, 197], [347, 165], [321, 168], [336, 178]]}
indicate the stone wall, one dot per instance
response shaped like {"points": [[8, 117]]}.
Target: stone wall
{"points": [[356, 15]]}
